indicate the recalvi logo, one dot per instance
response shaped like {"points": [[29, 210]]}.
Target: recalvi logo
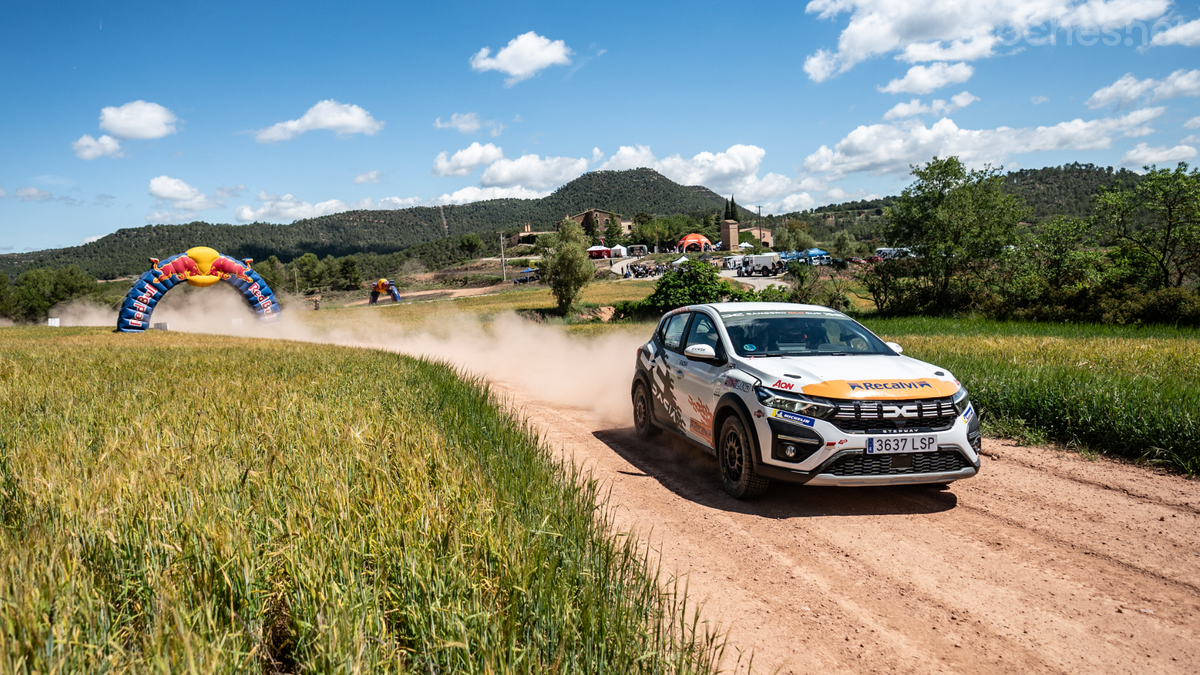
{"points": [[890, 385]]}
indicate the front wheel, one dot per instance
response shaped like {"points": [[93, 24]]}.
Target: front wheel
{"points": [[735, 452], [643, 413]]}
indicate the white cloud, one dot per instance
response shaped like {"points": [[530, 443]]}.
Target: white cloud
{"points": [[880, 149], [341, 118], [466, 160], [88, 240], [924, 79], [466, 124], [524, 56], [138, 120], [181, 195], [1143, 155], [1186, 34], [32, 194], [1193, 123], [368, 177], [733, 172], [531, 171], [1191, 139], [90, 148], [1177, 84], [275, 208], [936, 107], [474, 194], [597, 156], [226, 192], [3, 193], [1129, 89], [1038, 100], [959, 30]]}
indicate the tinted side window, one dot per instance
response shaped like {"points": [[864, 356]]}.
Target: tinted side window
{"points": [[703, 332], [672, 331]]}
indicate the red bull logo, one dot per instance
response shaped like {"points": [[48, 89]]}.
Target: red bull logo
{"points": [[202, 266], [228, 267]]}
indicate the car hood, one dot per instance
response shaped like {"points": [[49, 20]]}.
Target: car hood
{"points": [[871, 377]]}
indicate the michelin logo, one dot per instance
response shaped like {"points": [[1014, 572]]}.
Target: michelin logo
{"points": [[793, 417]]}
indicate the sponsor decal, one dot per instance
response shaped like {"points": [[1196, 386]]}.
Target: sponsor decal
{"points": [[881, 390], [734, 383], [701, 427], [895, 384], [969, 414], [793, 417], [759, 414], [780, 384], [749, 348]]}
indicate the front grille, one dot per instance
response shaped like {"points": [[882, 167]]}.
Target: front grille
{"points": [[929, 414], [881, 465]]}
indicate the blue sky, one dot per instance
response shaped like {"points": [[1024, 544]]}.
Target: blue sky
{"points": [[119, 114]]}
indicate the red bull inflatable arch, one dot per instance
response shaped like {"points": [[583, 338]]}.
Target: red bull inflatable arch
{"points": [[198, 266]]}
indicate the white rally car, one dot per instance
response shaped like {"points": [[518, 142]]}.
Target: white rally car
{"points": [[803, 394]]}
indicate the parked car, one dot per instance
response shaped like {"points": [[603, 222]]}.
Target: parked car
{"points": [[801, 394]]}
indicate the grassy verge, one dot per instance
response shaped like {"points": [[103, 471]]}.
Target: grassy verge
{"points": [[176, 502], [1131, 392]]}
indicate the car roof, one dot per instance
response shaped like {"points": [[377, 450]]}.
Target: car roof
{"points": [[727, 307]]}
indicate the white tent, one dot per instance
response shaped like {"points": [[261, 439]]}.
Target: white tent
{"points": [[619, 251], [745, 244], [682, 259]]}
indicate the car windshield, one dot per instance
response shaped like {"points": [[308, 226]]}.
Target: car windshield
{"points": [[799, 333]]}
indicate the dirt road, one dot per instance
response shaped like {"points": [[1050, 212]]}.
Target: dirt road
{"points": [[1046, 562]]}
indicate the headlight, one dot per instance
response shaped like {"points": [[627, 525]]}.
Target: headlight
{"points": [[797, 403], [961, 400]]}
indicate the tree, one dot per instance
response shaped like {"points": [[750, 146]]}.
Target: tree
{"points": [[272, 272], [313, 272], [471, 243], [844, 245], [39, 290], [348, 277], [956, 222], [1160, 217], [691, 283], [613, 234], [567, 268]]}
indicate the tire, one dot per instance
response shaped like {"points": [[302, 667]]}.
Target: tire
{"points": [[643, 413], [735, 457]]}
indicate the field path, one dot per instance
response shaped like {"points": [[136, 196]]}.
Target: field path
{"points": [[1046, 562]]}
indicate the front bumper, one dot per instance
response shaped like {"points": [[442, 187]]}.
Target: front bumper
{"points": [[840, 458]]}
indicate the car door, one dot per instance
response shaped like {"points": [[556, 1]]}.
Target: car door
{"points": [[665, 372], [699, 381]]}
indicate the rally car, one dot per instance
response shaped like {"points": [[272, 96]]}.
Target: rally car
{"points": [[803, 394]]}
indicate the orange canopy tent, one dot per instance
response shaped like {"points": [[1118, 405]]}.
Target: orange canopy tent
{"points": [[695, 242]]}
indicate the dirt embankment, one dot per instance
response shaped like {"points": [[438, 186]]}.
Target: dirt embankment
{"points": [[1046, 562]]}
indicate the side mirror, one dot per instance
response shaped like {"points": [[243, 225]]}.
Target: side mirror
{"points": [[895, 347], [700, 353]]}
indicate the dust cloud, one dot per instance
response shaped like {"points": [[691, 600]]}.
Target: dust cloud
{"points": [[541, 362]]}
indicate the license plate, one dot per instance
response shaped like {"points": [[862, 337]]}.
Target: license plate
{"points": [[890, 444]]}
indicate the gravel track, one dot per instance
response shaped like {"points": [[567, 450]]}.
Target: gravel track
{"points": [[1045, 562]]}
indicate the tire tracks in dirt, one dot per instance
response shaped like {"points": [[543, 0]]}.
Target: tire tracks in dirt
{"points": [[1045, 562]]}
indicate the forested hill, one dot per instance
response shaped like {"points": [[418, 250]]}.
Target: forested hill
{"points": [[126, 251], [1065, 190], [1048, 192]]}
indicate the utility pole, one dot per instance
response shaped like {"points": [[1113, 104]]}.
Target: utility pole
{"points": [[760, 223], [503, 271]]}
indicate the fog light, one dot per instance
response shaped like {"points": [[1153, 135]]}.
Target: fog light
{"points": [[790, 451]]}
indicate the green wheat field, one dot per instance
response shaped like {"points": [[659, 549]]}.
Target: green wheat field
{"points": [[181, 503]]}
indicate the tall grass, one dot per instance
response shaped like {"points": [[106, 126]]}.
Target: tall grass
{"points": [[1132, 392], [177, 503]]}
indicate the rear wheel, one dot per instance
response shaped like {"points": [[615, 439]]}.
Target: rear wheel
{"points": [[643, 413], [735, 452]]}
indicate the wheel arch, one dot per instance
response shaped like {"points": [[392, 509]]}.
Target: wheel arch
{"points": [[732, 404]]}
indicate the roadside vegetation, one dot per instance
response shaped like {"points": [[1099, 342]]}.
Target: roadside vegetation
{"points": [[174, 502], [1130, 392]]}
